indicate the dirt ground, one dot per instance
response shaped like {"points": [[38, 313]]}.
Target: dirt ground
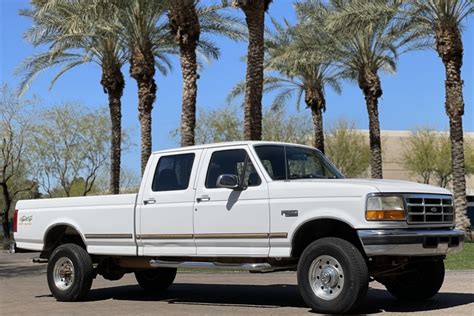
{"points": [[23, 290]]}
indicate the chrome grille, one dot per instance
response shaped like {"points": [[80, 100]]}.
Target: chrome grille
{"points": [[429, 209]]}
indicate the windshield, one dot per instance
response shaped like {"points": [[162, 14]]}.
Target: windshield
{"points": [[293, 162]]}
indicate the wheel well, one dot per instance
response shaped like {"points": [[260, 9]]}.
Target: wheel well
{"points": [[58, 235], [320, 228]]}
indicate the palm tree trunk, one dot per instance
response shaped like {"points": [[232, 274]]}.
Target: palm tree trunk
{"points": [[255, 18], [7, 200], [318, 128], [184, 24], [142, 69], [374, 136], [114, 83], [190, 76], [459, 178], [369, 82], [317, 104], [116, 142], [450, 49]]}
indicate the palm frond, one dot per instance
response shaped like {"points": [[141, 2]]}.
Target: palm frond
{"points": [[335, 84], [213, 20], [237, 90], [65, 69], [31, 67], [302, 55], [75, 33], [270, 84], [282, 98], [208, 50], [299, 97], [162, 62]]}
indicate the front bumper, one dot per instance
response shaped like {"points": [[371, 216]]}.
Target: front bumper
{"points": [[411, 242]]}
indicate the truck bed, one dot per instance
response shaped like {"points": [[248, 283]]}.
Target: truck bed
{"points": [[106, 223]]}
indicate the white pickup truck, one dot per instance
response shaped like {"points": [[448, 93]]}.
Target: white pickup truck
{"points": [[255, 206]]}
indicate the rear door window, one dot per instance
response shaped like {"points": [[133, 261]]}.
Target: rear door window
{"points": [[173, 172]]}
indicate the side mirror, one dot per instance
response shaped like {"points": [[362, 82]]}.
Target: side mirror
{"points": [[228, 181]]}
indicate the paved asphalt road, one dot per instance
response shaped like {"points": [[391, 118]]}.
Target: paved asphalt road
{"points": [[23, 290]]}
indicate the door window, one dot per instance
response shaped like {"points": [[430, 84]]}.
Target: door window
{"points": [[294, 162], [236, 162], [173, 172]]}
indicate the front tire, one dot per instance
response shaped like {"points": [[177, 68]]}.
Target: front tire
{"points": [[69, 273], [156, 280], [422, 281], [332, 276]]}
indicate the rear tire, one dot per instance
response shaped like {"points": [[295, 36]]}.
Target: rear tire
{"points": [[332, 276], [422, 281], [156, 280], [70, 273]]}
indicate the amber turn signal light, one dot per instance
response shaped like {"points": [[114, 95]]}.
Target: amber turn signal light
{"points": [[385, 215]]}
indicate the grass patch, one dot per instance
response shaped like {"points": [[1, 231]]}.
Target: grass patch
{"points": [[463, 260]]}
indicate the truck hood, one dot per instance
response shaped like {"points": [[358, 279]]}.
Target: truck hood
{"points": [[330, 188], [385, 185]]}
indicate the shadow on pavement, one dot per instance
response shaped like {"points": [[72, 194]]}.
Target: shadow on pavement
{"points": [[13, 271], [265, 296], [270, 296], [380, 300], [20, 265]]}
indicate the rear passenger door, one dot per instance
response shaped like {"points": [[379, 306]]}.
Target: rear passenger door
{"points": [[166, 205]]}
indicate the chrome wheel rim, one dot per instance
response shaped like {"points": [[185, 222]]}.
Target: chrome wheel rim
{"points": [[326, 277], [63, 273]]}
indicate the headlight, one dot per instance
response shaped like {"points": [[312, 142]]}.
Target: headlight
{"points": [[385, 208]]}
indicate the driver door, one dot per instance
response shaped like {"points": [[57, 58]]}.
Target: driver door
{"points": [[227, 221]]}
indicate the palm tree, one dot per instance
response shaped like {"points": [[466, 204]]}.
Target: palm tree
{"points": [[363, 52], [440, 21], [296, 70], [254, 11], [69, 28], [435, 24], [188, 22], [142, 28], [184, 23]]}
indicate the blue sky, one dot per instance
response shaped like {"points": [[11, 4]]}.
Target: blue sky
{"points": [[412, 97]]}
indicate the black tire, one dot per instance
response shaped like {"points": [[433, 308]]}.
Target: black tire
{"points": [[156, 280], [421, 281], [80, 284], [351, 278]]}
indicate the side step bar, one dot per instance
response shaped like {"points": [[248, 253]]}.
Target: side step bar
{"points": [[39, 260], [252, 267]]}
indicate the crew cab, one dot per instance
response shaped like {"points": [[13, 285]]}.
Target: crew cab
{"points": [[254, 206]]}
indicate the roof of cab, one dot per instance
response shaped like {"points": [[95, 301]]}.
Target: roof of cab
{"points": [[226, 144]]}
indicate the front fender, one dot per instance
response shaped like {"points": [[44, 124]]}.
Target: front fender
{"points": [[335, 214]]}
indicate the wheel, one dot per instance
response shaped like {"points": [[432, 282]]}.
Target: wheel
{"points": [[69, 273], [156, 280], [421, 281], [332, 276]]}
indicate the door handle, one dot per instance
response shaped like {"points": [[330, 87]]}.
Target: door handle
{"points": [[203, 198], [149, 201], [289, 213]]}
